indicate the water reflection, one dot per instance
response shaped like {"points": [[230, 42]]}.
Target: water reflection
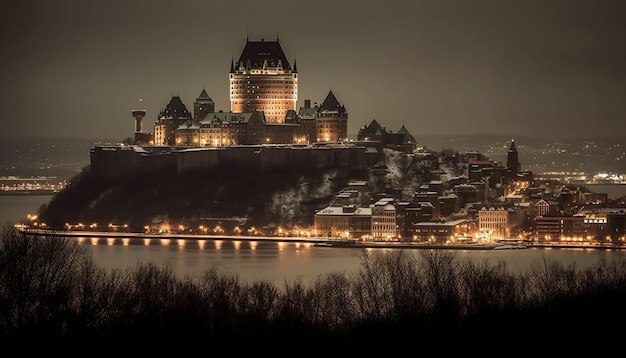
{"points": [[285, 260]]}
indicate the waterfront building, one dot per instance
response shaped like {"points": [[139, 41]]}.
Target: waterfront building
{"points": [[347, 221], [559, 228], [493, 219], [384, 226], [442, 232]]}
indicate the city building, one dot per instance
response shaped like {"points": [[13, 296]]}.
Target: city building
{"points": [[443, 232], [559, 228], [384, 227], [344, 222], [493, 220]]}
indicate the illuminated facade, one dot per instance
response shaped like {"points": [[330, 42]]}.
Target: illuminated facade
{"points": [[347, 221], [331, 120], [384, 217], [218, 129], [263, 80], [494, 221]]}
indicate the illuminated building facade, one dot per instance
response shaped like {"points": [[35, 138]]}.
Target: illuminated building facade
{"points": [[347, 221], [494, 220], [332, 120], [441, 232], [384, 226], [556, 228], [263, 80], [218, 129]]}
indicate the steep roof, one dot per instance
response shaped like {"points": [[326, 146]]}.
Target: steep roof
{"points": [[408, 138], [331, 106], [330, 103], [372, 129], [175, 109], [255, 53], [204, 96]]}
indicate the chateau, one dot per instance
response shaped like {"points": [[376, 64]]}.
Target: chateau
{"points": [[263, 95], [263, 89]]}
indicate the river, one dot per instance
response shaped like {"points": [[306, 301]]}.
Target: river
{"points": [[273, 261]]}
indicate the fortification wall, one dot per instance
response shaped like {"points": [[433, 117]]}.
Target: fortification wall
{"points": [[116, 161]]}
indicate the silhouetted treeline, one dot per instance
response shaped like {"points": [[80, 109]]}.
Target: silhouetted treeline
{"points": [[51, 291]]}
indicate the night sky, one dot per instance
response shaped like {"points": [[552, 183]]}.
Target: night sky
{"points": [[525, 67]]}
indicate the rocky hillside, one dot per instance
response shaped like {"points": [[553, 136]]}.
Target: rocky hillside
{"points": [[254, 197], [240, 196]]}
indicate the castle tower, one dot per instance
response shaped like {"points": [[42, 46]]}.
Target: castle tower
{"points": [[332, 120], [263, 80], [203, 105], [512, 161], [170, 118]]}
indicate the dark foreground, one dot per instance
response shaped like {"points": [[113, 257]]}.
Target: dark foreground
{"points": [[53, 297]]}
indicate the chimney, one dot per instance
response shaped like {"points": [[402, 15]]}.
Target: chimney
{"points": [[307, 103]]}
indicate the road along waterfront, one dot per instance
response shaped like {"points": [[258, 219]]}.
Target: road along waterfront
{"points": [[318, 241]]}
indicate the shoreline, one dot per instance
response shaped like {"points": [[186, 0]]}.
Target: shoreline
{"points": [[316, 241]]}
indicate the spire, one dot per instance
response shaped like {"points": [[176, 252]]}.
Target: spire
{"points": [[232, 65]]}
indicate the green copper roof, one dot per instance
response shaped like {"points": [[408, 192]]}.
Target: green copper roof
{"points": [[204, 96], [408, 138]]}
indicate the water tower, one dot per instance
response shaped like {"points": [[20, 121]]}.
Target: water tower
{"points": [[141, 138], [138, 114]]}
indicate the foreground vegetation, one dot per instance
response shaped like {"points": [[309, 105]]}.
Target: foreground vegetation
{"points": [[51, 291]]}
